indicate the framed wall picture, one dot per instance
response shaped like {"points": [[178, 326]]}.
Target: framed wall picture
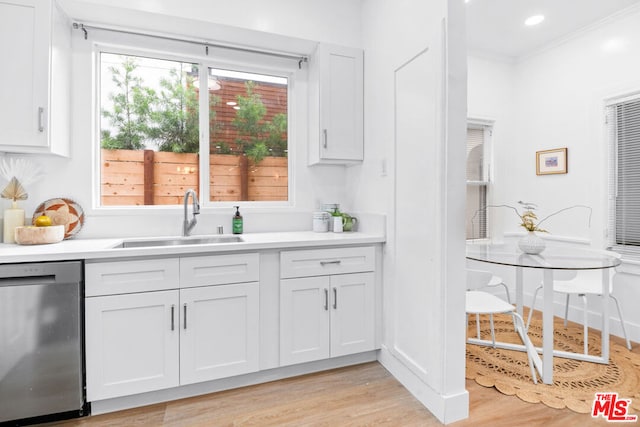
{"points": [[551, 161]]}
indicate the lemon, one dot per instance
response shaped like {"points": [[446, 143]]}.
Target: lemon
{"points": [[42, 221]]}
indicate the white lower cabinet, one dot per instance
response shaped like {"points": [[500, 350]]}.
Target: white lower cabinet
{"points": [[326, 316], [153, 324], [154, 339], [219, 332], [131, 343]]}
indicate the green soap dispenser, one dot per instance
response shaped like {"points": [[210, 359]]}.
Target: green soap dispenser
{"points": [[237, 221]]}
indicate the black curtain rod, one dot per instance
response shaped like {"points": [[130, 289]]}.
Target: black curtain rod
{"points": [[299, 58]]}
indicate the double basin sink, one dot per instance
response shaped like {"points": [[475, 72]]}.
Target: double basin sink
{"points": [[178, 241]]}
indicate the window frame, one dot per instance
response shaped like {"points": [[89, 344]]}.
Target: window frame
{"points": [[488, 127], [249, 62]]}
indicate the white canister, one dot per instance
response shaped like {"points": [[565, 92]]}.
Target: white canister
{"points": [[337, 224], [13, 217], [321, 222]]}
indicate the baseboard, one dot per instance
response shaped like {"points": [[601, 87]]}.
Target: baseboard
{"points": [[447, 408], [181, 392]]}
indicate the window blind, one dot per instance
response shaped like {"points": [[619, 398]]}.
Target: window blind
{"points": [[623, 129], [475, 154], [477, 181]]}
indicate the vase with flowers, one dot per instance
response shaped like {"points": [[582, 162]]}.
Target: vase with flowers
{"points": [[531, 243]]}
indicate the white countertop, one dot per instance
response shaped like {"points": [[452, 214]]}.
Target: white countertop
{"points": [[74, 249]]}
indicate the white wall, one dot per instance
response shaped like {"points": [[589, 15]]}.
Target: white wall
{"points": [[491, 97], [414, 133], [292, 26], [331, 21], [557, 97]]}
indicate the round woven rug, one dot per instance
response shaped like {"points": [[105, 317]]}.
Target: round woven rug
{"points": [[574, 382]]}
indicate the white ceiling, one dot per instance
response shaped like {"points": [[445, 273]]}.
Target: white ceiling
{"points": [[496, 27]]}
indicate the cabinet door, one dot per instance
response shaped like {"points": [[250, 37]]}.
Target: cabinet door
{"points": [[341, 103], [219, 331], [304, 319], [352, 313], [131, 343], [24, 43]]}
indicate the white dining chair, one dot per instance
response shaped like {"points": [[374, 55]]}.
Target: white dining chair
{"points": [[495, 281], [582, 283], [481, 302]]}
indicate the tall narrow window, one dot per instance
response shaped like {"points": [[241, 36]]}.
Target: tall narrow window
{"points": [[478, 136], [623, 125]]}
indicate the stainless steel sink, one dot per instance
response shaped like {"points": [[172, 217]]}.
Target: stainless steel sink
{"points": [[179, 241]]}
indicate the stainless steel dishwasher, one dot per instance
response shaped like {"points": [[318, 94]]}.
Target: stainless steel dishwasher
{"points": [[41, 342]]}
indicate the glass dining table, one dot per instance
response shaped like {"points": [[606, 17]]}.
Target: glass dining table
{"points": [[560, 257]]}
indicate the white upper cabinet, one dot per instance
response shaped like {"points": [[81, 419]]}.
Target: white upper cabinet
{"points": [[337, 104], [35, 44]]}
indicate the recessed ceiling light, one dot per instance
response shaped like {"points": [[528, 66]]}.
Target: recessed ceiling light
{"points": [[232, 103], [534, 20]]}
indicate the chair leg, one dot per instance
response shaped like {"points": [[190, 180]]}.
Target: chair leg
{"points": [[533, 304], [624, 332], [478, 325], [585, 315], [566, 310]]}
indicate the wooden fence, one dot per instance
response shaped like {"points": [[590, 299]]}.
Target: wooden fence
{"points": [[145, 177], [274, 98]]}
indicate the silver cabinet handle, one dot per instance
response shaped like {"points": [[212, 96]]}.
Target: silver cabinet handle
{"points": [[326, 299], [185, 316], [337, 261], [335, 298], [173, 309], [40, 119], [324, 134]]}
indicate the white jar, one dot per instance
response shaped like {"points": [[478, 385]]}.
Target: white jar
{"points": [[321, 222], [338, 224]]}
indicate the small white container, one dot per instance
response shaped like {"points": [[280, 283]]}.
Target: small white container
{"points": [[321, 222], [337, 224]]}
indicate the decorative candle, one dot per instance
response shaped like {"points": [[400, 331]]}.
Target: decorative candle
{"points": [[13, 217]]}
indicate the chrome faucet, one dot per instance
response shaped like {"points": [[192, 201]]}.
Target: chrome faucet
{"points": [[187, 225]]}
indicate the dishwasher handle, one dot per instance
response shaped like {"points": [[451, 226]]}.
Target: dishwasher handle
{"points": [[27, 281]]}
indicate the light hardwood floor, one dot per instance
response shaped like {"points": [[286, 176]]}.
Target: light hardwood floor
{"points": [[362, 395]]}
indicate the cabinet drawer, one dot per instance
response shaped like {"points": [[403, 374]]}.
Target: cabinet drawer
{"points": [[320, 262], [125, 277], [219, 269]]}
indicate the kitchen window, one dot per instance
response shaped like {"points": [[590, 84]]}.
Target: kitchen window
{"points": [[159, 133], [478, 178], [623, 130]]}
